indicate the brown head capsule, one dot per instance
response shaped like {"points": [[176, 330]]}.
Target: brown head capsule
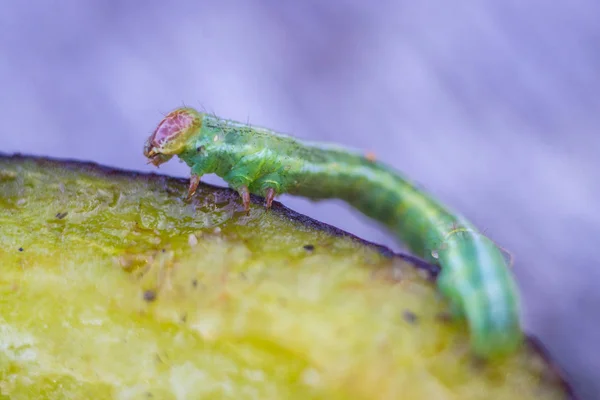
{"points": [[170, 136]]}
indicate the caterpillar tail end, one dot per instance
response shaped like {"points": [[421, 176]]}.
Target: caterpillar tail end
{"points": [[497, 345], [497, 333], [494, 333]]}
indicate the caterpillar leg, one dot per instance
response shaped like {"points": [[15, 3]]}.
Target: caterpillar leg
{"points": [[269, 196], [239, 179], [245, 195], [194, 182], [268, 186]]}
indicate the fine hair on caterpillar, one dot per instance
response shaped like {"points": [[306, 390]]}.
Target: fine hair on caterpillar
{"points": [[474, 276]]}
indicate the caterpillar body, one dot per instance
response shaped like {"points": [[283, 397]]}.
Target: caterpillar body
{"points": [[474, 276]]}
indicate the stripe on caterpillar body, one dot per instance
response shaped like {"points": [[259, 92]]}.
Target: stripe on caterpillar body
{"points": [[474, 274]]}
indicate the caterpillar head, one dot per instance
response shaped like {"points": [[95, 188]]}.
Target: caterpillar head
{"points": [[171, 135]]}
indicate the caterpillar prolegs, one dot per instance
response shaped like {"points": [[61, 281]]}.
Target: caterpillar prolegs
{"points": [[474, 275]]}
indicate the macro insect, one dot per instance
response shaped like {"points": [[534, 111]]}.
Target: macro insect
{"points": [[474, 277]]}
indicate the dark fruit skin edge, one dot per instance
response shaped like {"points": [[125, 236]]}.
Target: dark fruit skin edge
{"points": [[532, 342]]}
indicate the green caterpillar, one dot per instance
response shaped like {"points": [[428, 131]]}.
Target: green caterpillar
{"points": [[474, 275]]}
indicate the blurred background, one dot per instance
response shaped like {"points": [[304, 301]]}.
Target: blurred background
{"points": [[492, 106]]}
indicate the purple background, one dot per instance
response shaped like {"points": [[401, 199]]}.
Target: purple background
{"points": [[493, 106]]}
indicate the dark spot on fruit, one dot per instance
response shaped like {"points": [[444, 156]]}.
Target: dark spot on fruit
{"points": [[309, 247], [149, 295], [409, 316]]}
